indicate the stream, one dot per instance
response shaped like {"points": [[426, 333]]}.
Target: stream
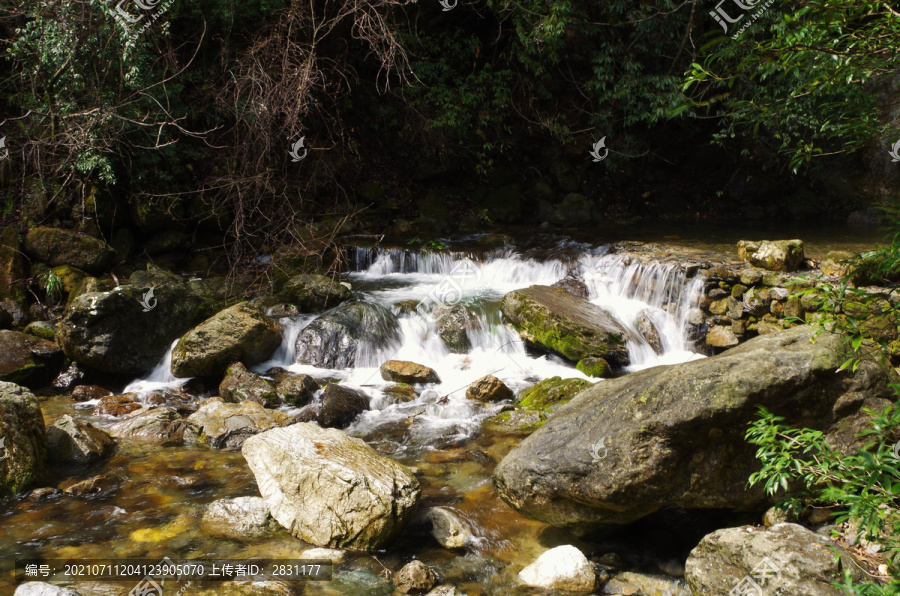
{"points": [[156, 511]]}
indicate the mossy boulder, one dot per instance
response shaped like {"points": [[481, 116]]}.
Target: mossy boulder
{"points": [[772, 255], [314, 293], [28, 360], [242, 333], [297, 390], [673, 436], [594, 367], [555, 320], [23, 440], [62, 247], [241, 385]]}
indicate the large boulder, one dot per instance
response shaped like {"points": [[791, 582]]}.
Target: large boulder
{"points": [[339, 337], [240, 385], [162, 426], [28, 360], [62, 247], [242, 333], [23, 439], [116, 332], [314, 293], [673, 436], [330, 489], [783, 559], [403, 371], [71, 440], [774, 255], [553, 319], [226, 426]]}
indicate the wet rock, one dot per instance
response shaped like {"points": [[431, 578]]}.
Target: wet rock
{"points": [[414, 578], [329, 489], [99, 487], [453, 324], [648, 330], [402, 392], [23, 439], [163, 426], [488, 389], [297, 390], [448, 528], [240, 518], [242, 333], [574, 286], [223, 425], [43, 589], [70, 377], [113, 332], [561, 568], [47, 493], [12, 266], [675, 434], [71, 440], [240, 385], [117, 405], [341, 405], [335, 339], [28, 360], [402, 371], [721, 337], [407, 306], [336, 556], [554, 319], [784, 559], [61, 247], [314, 293], [536, 404], [594, 367], [772, 255], [89, 392]]}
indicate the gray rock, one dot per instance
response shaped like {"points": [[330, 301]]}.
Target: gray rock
{"points": [[574, 286], [414, 578], [335, 339], [453, 324], [163, 426], [555, 320], [673, 436], [783, 559], [297, 390], [23, 440], [341, 405], [243, 517], [71, 440], [448, 528], [240, 385], [314, 293], [329, 489], [97, 488], [649, 331], [226, 426], [242, 333]]}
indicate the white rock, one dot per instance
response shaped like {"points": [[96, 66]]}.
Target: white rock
{"points": [[243, 517], [43, 589], [561, 568], [337, 556]]}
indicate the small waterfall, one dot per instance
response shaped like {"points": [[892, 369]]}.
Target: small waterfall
{"points": [[159, 378]]}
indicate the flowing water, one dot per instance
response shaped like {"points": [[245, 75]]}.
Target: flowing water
{"points": [[162, 491]]}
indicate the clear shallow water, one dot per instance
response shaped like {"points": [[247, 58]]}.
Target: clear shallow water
{"points": [[156, 511]]}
